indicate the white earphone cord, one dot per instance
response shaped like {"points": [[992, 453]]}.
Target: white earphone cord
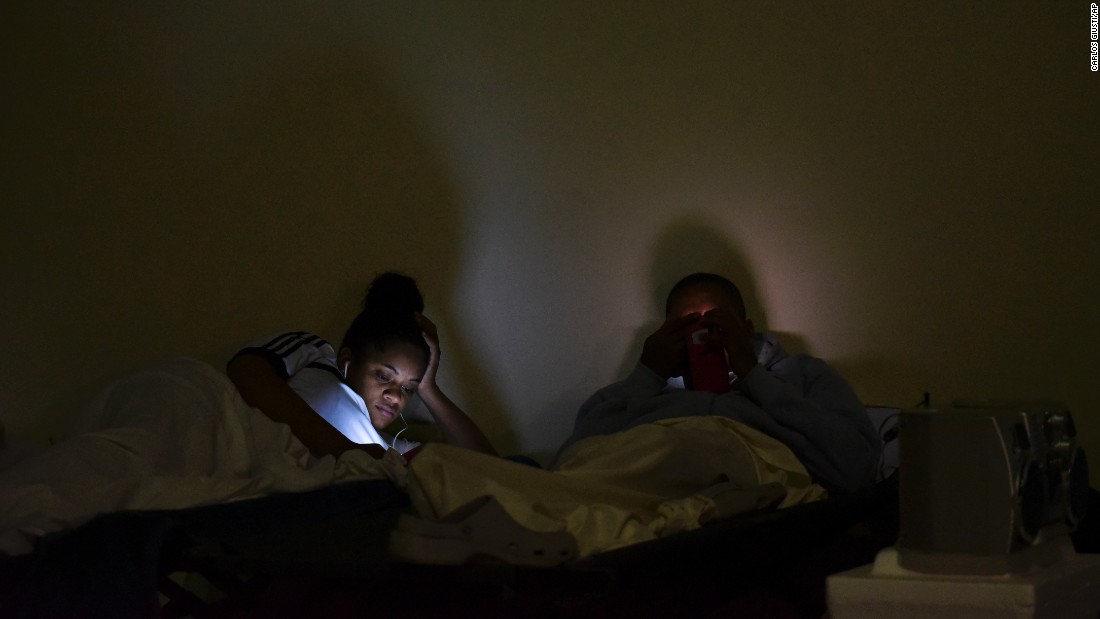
{"points": [[402, 415]]}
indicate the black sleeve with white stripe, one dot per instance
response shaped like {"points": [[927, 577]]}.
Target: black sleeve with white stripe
{"points": [[289, 352]]}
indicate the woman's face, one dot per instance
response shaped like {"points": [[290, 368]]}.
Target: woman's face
{"points": [[386, 380]]}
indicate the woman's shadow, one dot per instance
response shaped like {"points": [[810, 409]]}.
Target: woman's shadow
{"points": [[362, 186]]}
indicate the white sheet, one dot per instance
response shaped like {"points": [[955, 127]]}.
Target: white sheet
{"points": [[176, 436]]}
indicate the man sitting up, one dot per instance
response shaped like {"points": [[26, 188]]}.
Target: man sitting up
{"points": [[798, 400], [650, 458]]}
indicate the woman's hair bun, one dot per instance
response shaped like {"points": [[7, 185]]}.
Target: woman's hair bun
{"points": [[388, 317], [393, 294]]}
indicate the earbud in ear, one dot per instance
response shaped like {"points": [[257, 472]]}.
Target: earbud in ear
{"points": [[346, 369]]}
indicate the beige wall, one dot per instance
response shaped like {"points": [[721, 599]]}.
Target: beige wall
{"points": [[906, 191]]}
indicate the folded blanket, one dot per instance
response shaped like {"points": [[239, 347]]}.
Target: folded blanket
{"points": [[175, 436]]}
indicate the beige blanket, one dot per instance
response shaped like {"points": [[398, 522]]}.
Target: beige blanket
{"points": [[621, 489]]}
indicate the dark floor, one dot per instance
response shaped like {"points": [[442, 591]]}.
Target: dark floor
{"points": [[285, 560]]}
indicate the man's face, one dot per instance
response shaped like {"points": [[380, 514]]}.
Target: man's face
{"points": [[700, 299]]}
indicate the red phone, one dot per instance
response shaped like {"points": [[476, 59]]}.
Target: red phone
{"points": [[708, 369]]}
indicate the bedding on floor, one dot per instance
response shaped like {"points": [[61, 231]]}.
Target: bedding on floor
{"points": [[606, 491], [171, 472], [178, 435]]}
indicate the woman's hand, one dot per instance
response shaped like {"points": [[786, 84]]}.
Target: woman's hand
{"points": [[431, 337], [375, 451], [458, 429]]}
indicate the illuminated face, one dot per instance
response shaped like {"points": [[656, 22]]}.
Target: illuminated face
{"points": [[386, 380], [700, 299]]}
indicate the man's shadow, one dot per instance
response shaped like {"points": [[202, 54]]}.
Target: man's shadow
{"points": [[692, 244]]}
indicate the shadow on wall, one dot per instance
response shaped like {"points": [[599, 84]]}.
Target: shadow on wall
{"points": [[376, 191], [691, 244], [206, 177]]}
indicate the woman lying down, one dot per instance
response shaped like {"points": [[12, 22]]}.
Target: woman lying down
{"points": [[182, 434], [336, 401]]}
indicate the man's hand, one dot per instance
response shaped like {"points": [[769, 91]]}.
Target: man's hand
{"points": [[734, 334], [665, 351]]}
